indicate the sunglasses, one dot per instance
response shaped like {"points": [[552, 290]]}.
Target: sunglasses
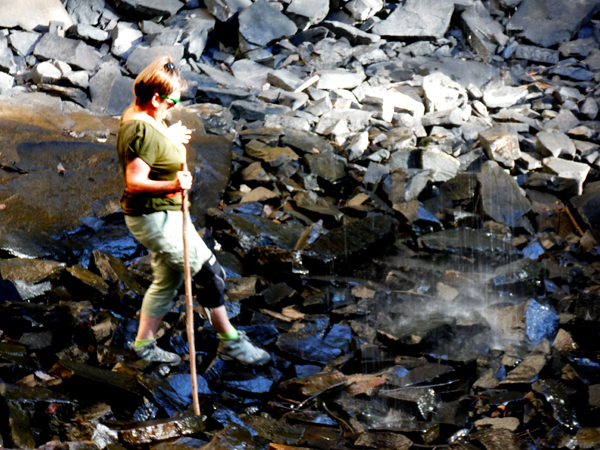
{"points": [[174, 100]]}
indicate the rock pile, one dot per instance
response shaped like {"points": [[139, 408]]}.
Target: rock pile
{"points": [[408, 215]]}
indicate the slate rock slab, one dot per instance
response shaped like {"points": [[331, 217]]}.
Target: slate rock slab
{"points": [[73, 52], [261, 24], [502, 198], [30, 14], [417, 18], [551, 22], [150, 8]]}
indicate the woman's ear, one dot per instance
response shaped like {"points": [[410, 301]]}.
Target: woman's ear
{"points": [[155, 100]]}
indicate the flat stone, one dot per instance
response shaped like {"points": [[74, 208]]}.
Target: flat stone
{"points": [[554, 143], [564, 121], [125, 36], [442, 93], [85, 12], [484, 33], [589, 108], [501, 144], [255, 110], [354, 35], [73, 52], [6, 82], [88, 33], [568, 169], [253, 73], [443, 166], [142, 56], [548, 23], [261, 24], [502, 198], [23, 41], [284, 79], [111, 92], [498, 95], [31, 14], [226, 9], [537, 54], [417, 18], [339, 79], [314, 11]]}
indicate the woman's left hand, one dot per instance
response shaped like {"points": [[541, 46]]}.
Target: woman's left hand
{"points": [[180, 133]]}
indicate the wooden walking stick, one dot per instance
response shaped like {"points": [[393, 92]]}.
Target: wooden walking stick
{"points": [[189, 303]]}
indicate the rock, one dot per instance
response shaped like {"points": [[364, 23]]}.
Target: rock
{"points": [[261, 24], [23, 41], [88, 33], [501, 145], [484, 33], [111, 92], [46, 72], [384, 440], [325, 166], [142, 56], [502, 199], [442, 94], [554, 143], [354, 35], [73, 52], [255, 110], [548, 24], [589, 108], [30, 14], [565, 94], [308, 12], [339, 79], [537, 54], [149, 9], [125, 37], [305, 141], [433, 20], [443, 166], [85, 12], [564, 121], [6, 83], [284, 79], [506, 423], [225, 9], [498, 95], [568, 170], [253, 73]]}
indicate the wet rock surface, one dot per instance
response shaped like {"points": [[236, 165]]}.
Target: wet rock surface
{"points": [[404, 197]]}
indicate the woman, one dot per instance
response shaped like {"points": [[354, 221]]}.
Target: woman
{"points": [[151, 156]]}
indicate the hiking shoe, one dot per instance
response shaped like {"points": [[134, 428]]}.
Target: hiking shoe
{"points": [[151, 352], [242, 350]]}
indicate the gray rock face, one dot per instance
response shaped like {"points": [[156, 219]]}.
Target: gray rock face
{"points": [[7, 61], [111, 92], [498, 95], [87, 33], [140, 57], [501, 197], [71, 51], [537, 54], [313, 11], [226, 9], [484, 33], [87, 12], [501, 144], [552, 22], [30, 14], [568, 170], [261, 24], [417, 18], [23, 41], [554, 144]]}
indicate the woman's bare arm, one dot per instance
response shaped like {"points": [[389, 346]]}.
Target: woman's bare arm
{"points": [[137, 181]]}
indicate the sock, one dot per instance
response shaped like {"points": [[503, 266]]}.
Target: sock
{"points": [[139, 343], [230, 335]]}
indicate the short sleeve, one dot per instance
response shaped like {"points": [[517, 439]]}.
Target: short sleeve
{"points": [[139, 144]]}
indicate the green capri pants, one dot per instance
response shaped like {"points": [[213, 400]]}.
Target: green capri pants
{"points": [[161, 232]]}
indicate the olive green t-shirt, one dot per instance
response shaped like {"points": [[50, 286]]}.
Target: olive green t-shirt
{"points": [[139, 139]]}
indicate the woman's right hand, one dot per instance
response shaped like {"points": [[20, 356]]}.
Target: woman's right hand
{"points": [[184, 180]]}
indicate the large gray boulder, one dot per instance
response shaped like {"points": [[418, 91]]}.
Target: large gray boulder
{"points": [[31, 14], [87, 12], [501, 197], [551, 22], [261, 24], [111, 92], [417, 19], [73, 52]]}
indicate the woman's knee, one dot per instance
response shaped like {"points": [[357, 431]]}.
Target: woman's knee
{"points": [[210, 284]]}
